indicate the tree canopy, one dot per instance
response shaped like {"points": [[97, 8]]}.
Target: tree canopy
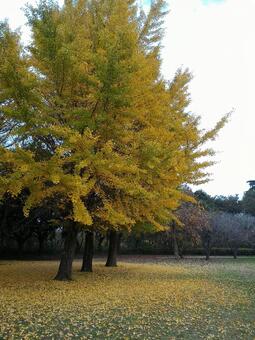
{"points": [[87, 120]]}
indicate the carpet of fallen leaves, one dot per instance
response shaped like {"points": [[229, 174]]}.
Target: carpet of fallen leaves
{"points": [[167, 300]]}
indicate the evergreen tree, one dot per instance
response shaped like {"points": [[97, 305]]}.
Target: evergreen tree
{"points": [[248, 202]]}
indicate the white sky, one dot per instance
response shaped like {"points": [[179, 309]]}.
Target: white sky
{"points": [[215, 39]]}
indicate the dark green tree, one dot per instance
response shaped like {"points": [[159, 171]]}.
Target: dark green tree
{"points": [[248, 202]]}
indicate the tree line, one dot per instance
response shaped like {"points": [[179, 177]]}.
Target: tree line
{"points": [[92, 137], [219, 224]]}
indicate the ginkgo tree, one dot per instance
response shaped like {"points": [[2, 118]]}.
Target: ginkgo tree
{"points": [[87, 120]]}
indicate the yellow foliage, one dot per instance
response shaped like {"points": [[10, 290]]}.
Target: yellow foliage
{"points": [[94, 118]]}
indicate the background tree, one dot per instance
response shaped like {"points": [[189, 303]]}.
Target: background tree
{"points": [[233, 229], [14, 226], [248, 201], [229, 204], [195, 225], [205, 200]]}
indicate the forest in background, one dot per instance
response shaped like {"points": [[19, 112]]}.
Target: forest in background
{"points": [[217, 225]]}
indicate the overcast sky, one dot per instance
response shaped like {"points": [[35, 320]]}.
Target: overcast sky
{"points": [[215, 39]]}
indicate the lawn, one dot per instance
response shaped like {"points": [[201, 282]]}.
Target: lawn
{"points": [[161, 299]]}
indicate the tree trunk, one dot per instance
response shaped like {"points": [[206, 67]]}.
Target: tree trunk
{"points": [[176, 248], [67, 257], [113, 248], [88, 252], [181, 252], [207, 251], [235, 253]]}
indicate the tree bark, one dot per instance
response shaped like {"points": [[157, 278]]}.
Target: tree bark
{"points": [[88, 252], [67, 257], [113, 249]]}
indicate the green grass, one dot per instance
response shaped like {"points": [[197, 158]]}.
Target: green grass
{"points": [[191, 299]]}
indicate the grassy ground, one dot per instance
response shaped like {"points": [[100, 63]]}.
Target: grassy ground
{"points": [[162, 300]]}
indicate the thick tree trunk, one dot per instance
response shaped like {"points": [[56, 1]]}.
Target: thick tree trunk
{"points": [[176, 248], [113, 249], [88, 252], [67, 257]]}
